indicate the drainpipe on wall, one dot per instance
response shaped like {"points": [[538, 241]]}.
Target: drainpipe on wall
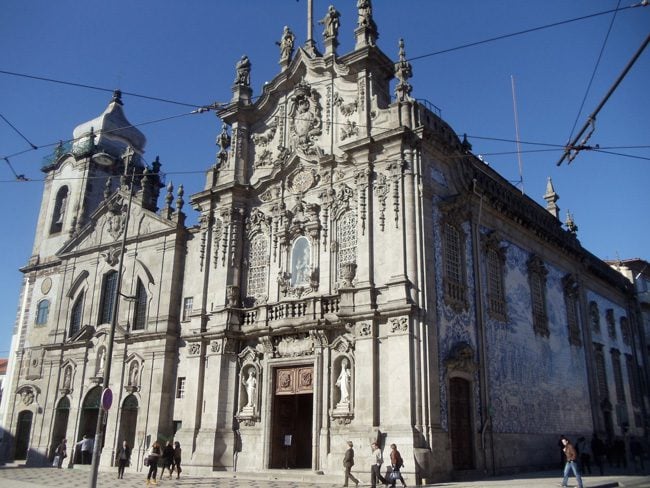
{"points": [[480, 323]]}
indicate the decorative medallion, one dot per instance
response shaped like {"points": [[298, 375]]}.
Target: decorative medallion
{"points": [[302, 181], [46, 286]]}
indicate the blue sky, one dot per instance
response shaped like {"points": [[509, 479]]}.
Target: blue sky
{"points": [[186, 52]]}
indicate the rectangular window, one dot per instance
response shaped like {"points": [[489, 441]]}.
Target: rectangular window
{"points": [[633, 380], [618, 376], [188, 303], [176, 426], [496, 294], [180, 387], [601, 373], [454, 275], [572, 320]]}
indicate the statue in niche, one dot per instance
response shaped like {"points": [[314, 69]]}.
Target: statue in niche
{"points": [[67, 378], [250, 383], [101, 356], [331, 23], [301, 263], [243, 72], [133, 374], [343, 382], [286, 44]]}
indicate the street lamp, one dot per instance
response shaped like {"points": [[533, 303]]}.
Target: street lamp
{"points": [[106, 398]]}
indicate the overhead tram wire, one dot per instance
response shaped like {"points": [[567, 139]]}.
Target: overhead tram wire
{"points": [[98, 88], [573, 148], [593, 74], [18, 132]]}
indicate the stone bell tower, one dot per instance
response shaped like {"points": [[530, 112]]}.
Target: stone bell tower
{"points": [[77, 173]]}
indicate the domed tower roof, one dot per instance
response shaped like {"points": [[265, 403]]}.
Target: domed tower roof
{"points": [[113, 133]]}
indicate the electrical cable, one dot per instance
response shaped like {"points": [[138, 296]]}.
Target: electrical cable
{"points": [[18, 132], [593, 74]]}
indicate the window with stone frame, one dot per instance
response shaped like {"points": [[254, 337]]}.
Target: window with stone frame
{"points": [[109, 287], [495, 259], [188, 304], [570, 288], [454, 273], [618, 375], [346, 238], [76, 315], [601, 372], [625, 330], [537, 273], [60, 204], [611, 323], [42, 312], [594, 316], [633, 378], [258, 269], [140, 311], [180, 387]]}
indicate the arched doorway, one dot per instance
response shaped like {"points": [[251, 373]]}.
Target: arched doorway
{"points": [[88, 418], [23, 430], [60, 428], [460, 424], [128, 420]]}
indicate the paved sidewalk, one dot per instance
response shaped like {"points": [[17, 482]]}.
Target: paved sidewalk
{"points": [[22, 477]]}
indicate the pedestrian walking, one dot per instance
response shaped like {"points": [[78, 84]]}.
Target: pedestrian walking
{"points": [[122, 459], [377, 459], [87, 445], [177, 459], [152, 461], [167, 459], [571, 463], [60, 453], [396, 463], [348, 462]]}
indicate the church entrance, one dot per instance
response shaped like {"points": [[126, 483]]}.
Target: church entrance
{"points": [[62, 413], [291, 431], [460, 424], [22, 434], [88, 419]]}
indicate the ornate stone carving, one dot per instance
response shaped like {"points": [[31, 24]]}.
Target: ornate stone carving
{"points": [[348, 272], [305, 121], [381, 189], [349, 129], [111, 256], [302, 181], [293, 346], [116, 218], [400, 324], [364, 329], [194, 349], [215, 347], [27, 395], [461, 358], [266, 137]]}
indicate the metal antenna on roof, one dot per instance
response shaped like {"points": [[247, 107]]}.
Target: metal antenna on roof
{"points": [[514, 106]]}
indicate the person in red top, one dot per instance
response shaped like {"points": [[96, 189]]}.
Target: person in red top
{"points": [[571, 463], [396, 462]]}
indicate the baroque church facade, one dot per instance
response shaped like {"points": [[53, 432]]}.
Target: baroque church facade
{"points": [[356, 273]]}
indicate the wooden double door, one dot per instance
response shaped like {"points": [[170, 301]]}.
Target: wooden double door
{"points": [[292, 413]]}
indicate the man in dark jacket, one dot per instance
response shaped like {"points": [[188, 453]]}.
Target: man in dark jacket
{"points": [[571, 463], [348, 462]]}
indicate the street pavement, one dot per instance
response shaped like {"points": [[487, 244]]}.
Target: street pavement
{"points": [[23, 477]]}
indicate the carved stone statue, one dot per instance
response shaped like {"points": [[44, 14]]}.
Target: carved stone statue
{"points": [[286, 44], [343, 382], [243, 72], [67, 378], [250, 384], [331, 23], [365, 13]]}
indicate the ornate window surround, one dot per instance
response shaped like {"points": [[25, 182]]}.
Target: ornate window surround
{"points": [[537, 274], [454, 277], [346, 244], [571, 288], [495, 260]]}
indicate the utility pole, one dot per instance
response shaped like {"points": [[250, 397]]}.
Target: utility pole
{"points": [[103, 411], [571, 150]]}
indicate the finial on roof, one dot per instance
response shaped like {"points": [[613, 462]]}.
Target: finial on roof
{"points": [[403, 72], [117, 97], [570, 224], [551, 198]]}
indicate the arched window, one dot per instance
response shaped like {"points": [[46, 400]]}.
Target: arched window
{"points": [[42, 311], [140, 314], [258, 263], [346, 236], [108, 297], [75, 315], [59, 210]]}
